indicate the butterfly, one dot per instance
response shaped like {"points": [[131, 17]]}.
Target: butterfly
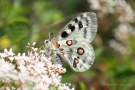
{"points": [[73, 42]]}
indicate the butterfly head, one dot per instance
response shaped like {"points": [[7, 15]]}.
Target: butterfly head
{"points": [[46, 42], [51, 45]]}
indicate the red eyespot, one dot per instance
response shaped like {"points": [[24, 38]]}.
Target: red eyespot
{"points": [[80, 25], [80, 51], [69, 42], [75, 62]]}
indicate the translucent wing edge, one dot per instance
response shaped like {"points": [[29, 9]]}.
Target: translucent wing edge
{"points": [[94, 23]]}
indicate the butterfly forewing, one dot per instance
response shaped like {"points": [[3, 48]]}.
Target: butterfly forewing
{"points": [[83, 26]]}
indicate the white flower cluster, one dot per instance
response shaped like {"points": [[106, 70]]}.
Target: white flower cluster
{"points": [[120, 8], [120, 12], [122, 35], [33, 71], [123, 32]]}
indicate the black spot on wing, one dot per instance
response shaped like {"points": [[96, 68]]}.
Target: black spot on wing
{"points": [[85, 32], [84, 61], [81, 66], [72, 27], [76, 20], [81, 16], [87, 21], [64, 34]]}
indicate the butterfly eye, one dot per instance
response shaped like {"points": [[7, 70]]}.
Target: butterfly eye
{"points": [[46, 41]]}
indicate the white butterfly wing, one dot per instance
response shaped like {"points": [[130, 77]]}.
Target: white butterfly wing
{"points": [[80, 55], [84, 26], [73, 41]]}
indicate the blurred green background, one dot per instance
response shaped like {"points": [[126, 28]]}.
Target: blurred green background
{"points": [[23, 21]]}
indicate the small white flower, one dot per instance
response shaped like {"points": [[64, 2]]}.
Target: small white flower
{"points": [[33, 70], [34, 43], [2, 55], [22, 68]]}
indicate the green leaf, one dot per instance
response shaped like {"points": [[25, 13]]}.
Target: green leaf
{"points": [[82, 86], [98, 51], [18, 19]]}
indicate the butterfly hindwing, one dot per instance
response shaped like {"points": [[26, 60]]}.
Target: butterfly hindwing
{"points": [[79, 54]]}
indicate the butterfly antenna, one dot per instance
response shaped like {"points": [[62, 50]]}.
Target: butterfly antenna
{"points": [[49, 34]]}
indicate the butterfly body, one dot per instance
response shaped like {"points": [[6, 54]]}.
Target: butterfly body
{"points": [[73, 42]]}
